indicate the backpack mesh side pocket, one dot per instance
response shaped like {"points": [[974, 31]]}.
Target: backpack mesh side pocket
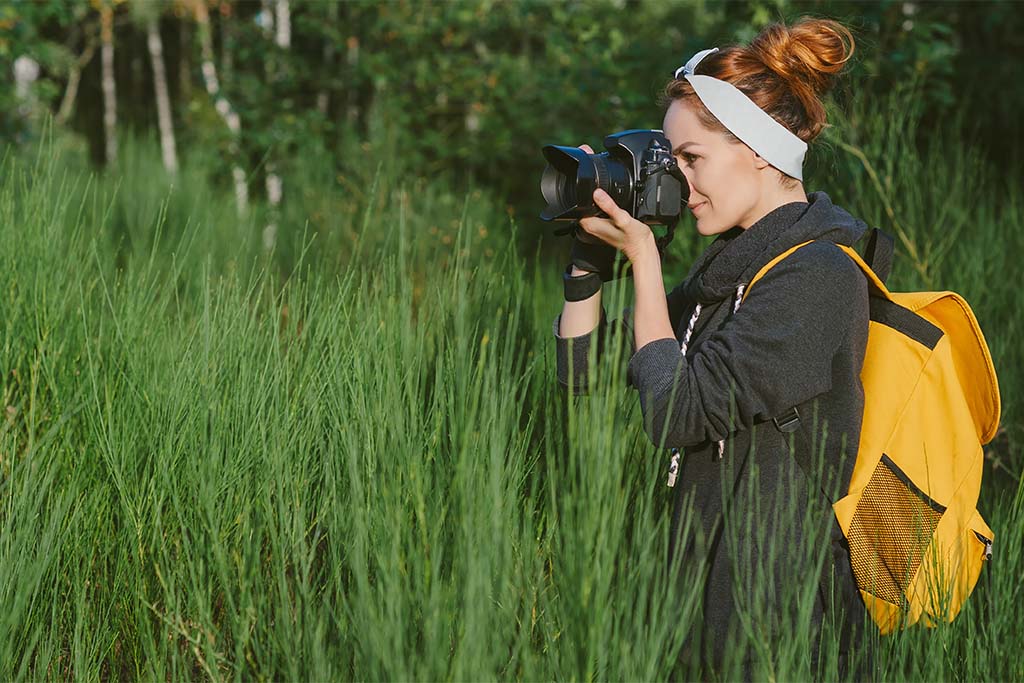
{"points": [[891, 529]]}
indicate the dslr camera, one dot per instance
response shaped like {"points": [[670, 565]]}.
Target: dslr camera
{"points": [[638, 172]]}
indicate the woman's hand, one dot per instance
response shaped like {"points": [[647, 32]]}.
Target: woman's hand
{"points": [[620, 230]]}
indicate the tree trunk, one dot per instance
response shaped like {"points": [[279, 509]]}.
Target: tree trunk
{"points": [[274, 182], [67, 103], [163, 100], [221, 104], [283, 24], [275, 188], [26, 73], [109, 84]]}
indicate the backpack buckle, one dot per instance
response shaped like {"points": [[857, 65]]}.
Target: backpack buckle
{"points": [[788, 422]]}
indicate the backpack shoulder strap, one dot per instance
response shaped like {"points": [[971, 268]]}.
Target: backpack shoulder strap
{"points": [[876, 283], [878, 252]]}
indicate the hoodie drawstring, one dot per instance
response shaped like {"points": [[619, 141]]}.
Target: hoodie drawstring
{"points": [[673, 468]]}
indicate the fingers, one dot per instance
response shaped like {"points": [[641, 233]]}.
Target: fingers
{"points": [[585, 235], [602, 230], [619, 216], [594, 226]]}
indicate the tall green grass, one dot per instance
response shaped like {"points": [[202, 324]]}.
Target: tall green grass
{"points": [[350, 459]]}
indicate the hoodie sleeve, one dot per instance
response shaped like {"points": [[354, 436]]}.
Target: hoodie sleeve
{"points": [[572, 358], [573, 373], [775, 352]]}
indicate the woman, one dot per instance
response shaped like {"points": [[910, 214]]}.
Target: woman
{"points": [[763, 401]]}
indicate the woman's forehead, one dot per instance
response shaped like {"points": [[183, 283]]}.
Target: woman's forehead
{"points": [[681, 126]]}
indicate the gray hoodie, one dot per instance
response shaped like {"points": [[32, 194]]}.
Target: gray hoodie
{"points": [[797, 340]]}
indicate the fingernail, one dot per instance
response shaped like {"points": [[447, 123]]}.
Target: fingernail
{"points": [[600, 194]]}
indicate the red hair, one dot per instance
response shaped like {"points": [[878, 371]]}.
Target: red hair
{"points": [[785, 70]]}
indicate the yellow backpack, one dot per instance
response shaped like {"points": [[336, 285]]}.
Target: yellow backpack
{"points": [[931, 400]]}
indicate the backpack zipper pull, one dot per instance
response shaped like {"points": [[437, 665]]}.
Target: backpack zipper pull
{"points": [[673, 468], [988, 545]]}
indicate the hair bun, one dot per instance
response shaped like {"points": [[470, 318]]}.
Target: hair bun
{"points": [[808, 55]]}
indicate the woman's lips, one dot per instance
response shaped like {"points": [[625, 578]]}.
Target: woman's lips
{"points": [[696, 207]]}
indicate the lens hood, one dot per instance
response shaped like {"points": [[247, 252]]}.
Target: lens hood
{"points": [[571, 175]]}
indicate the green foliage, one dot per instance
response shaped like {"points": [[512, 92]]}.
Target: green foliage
{"points": [[26, 29], [349, 458], [473, 89]]}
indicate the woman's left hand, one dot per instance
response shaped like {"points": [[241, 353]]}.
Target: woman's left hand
{"points": [[620, 230]]}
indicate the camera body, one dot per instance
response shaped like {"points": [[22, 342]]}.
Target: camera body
{"points": [[638, 172]]}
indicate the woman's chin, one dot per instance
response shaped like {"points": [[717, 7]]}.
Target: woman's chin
{"points": [[705, 229]]}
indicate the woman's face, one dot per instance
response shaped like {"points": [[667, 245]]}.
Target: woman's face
{"points": [[725, 177]]}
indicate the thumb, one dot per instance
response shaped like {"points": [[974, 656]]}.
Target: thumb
{"points": [[605, 202]]}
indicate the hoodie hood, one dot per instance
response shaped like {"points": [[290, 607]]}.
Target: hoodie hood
{"points": [[737, 254]]}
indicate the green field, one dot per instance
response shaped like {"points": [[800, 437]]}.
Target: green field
{"points": [[350, 458]]}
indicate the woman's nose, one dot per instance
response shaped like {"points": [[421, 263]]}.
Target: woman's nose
{"points": [[689, 178]]}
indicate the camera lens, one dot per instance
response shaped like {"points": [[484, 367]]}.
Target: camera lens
{"points": [[613, 177], [558, 188], [572, 175], [565, 181]]}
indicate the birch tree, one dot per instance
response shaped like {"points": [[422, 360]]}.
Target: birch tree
{"points": [[26, 72], [109, 83], [282, 28], [147, 13], [221, 103]]}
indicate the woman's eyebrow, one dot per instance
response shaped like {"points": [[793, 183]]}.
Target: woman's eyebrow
{"points": [[680, 147]]}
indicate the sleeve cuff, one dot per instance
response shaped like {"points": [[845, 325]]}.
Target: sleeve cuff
{"points": [[580, 344], [654, 367], [576, 376]]}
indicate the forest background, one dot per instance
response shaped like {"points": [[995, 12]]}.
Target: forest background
{"points": [[462, 89], [277, 374]]}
